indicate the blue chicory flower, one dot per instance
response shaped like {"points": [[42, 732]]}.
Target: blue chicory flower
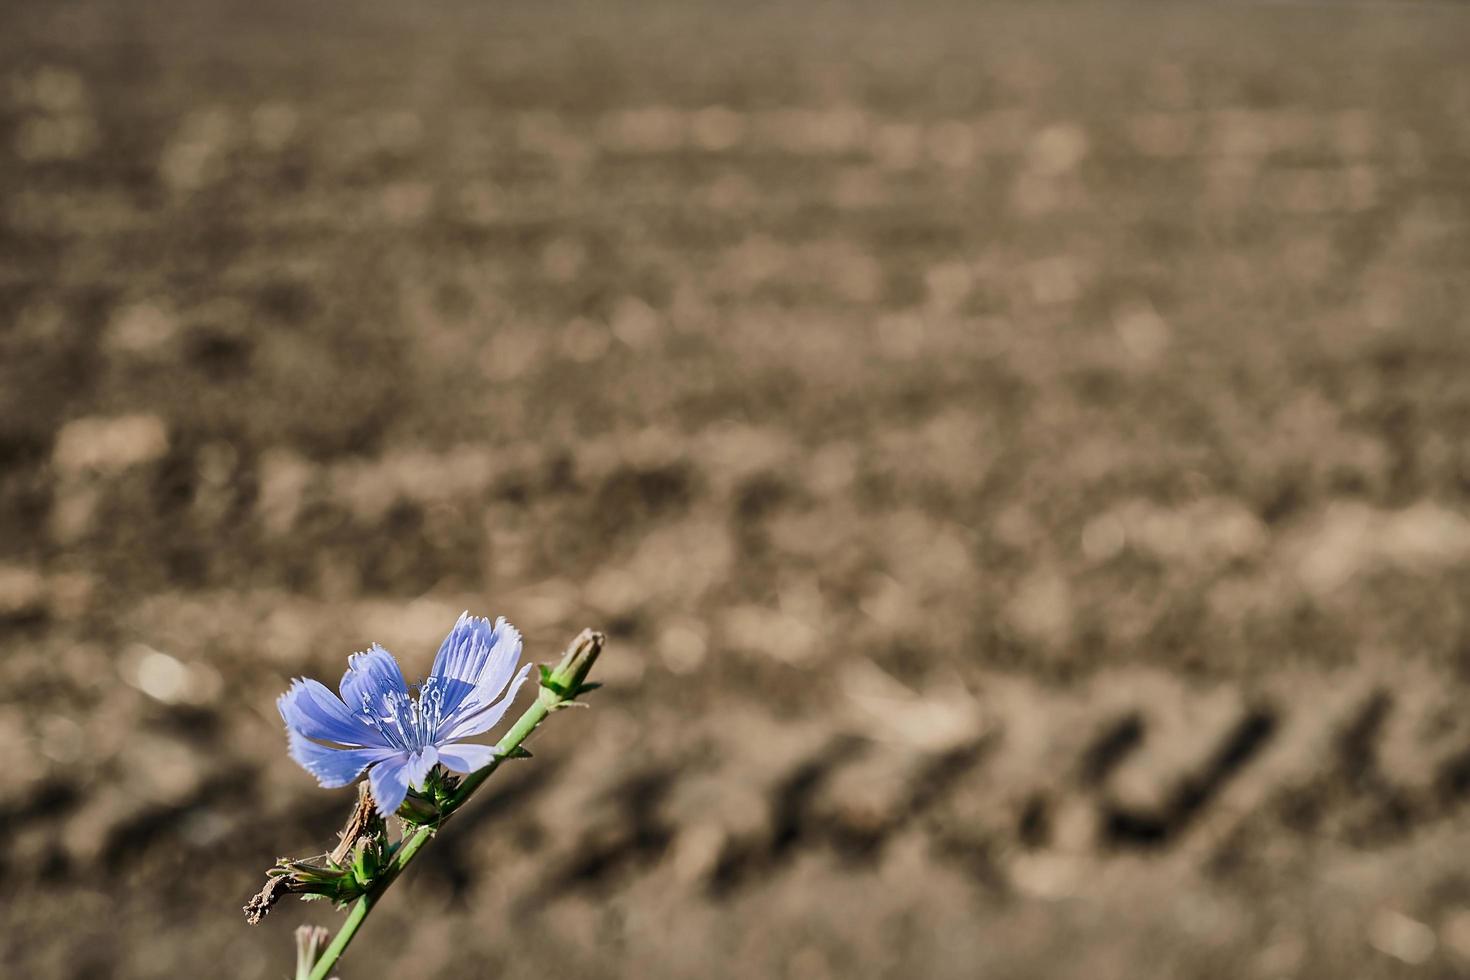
{"points": [[379, 726]]}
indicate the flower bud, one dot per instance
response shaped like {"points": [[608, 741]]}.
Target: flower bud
{"points": [[309, 943], [569, 678]]}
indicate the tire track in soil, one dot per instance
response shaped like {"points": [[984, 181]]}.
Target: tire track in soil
{"points": [[850, 797]]}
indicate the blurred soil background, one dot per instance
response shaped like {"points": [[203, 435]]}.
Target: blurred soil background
{"points": [[1019, 453]]}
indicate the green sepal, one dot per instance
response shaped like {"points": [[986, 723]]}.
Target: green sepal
{"points": [[549, 681], [305, 872], [365, 863], [442, 785], [418, 809], [563, 691]]}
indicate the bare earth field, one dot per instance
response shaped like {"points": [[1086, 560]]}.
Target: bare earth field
{"points": [[1020, 455]]}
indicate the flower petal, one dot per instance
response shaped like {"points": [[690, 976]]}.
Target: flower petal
{"points": [[473, 720], [474, 658], [369, 676], [419, 766], [464, 757], [390, 783], [315, 712], [333, 767]]}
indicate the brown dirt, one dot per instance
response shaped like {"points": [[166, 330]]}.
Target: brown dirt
{"points": [[1019, 453]]}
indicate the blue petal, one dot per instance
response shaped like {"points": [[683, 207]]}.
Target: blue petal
{"points": [[473, 656], [419, 766], [390, 783], [369, 676], [474, 719], [333, 767], [315, 712], [464, 757]]}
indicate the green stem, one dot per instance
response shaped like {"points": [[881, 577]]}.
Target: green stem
{"points": [[360, 910], [518, 733], [557, 689]]}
